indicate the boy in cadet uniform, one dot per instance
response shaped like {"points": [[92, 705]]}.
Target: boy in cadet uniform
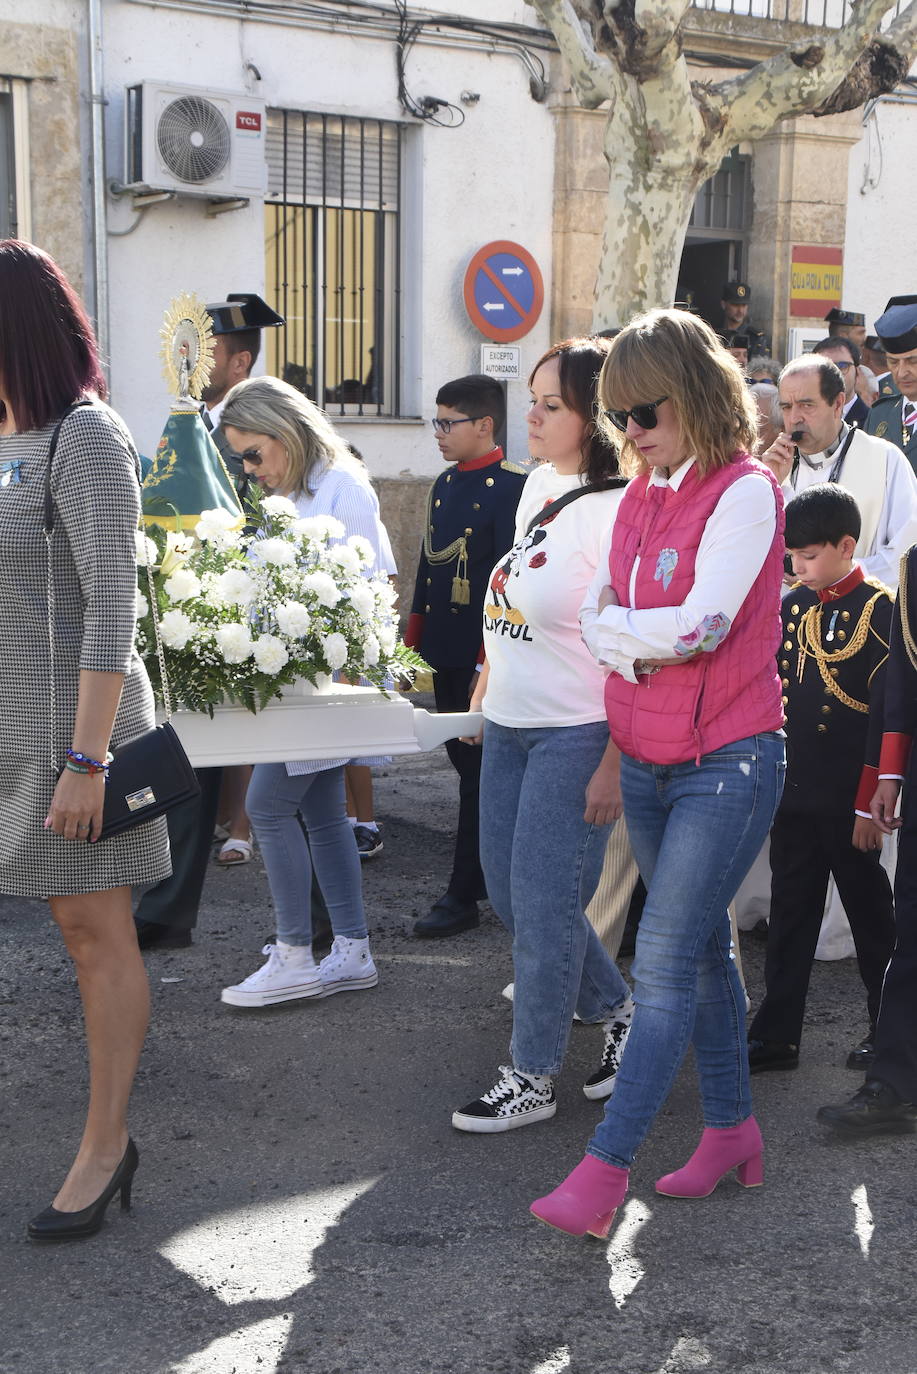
{"points": [[470, 522], [887, 1101], [836, 624]]}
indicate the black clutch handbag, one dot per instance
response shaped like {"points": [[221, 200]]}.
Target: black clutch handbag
{"points": [[147, 777], [150, 775]]}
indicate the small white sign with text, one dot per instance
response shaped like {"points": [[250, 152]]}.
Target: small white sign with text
{"points": [[501, 360]]}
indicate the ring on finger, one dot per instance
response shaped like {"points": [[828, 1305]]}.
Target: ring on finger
{"points": [[82, 827]]}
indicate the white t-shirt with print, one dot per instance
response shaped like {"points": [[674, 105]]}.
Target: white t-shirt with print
{"points": [[541, 673]]}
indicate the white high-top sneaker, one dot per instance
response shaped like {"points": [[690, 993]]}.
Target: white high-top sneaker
{"points": [[290, 972], [348, 967]]}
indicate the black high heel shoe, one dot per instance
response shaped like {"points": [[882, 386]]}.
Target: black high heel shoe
{"points": [[54, 1225]]}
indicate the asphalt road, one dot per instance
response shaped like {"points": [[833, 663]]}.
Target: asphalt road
{"points": [[303, 1203]]}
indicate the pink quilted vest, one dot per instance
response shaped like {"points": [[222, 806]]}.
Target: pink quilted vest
{"points": [[716, 697]]}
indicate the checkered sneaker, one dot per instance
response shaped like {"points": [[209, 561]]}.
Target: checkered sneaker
{"points": [[516, 1100], [617, 1029]]}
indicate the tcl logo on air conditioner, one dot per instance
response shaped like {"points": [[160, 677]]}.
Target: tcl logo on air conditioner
{"points": [[249, 120]]}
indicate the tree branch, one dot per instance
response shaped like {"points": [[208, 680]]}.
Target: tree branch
{"points": [[798, 80], [594, 77], [659, 20]]}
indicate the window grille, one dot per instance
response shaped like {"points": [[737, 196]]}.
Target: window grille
{"points": [[724, 202], [333, 258], [8, 217]]}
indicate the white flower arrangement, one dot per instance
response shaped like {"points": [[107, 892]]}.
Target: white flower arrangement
{"points": [[243, 615]]}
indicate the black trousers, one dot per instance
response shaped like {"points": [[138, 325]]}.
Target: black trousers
{"points": [[896, 1034], [174, 902], [451, 689], [806, 848]]}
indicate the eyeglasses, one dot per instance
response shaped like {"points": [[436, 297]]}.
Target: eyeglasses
{"points": [[445, 426], [645, 416]]}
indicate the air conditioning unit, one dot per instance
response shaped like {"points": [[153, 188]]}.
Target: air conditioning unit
{"points": [[195, 142]]}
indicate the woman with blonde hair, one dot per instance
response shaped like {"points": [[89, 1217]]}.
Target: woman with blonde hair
{"points": [[685, 613], [289, 448]]}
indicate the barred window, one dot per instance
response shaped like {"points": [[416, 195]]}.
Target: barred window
{"points": [[333, 261]]}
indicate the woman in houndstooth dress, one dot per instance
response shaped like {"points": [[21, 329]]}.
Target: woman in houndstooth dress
{"points": [[99, 689]]}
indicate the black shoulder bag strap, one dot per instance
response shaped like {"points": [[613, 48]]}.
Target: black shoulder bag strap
{"points": [[606, 484]]}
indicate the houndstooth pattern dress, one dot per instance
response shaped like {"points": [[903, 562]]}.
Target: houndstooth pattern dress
{"points": [[94, 482]]}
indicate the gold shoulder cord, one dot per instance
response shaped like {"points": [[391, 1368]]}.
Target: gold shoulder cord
{"points": [[906, 631], [809, 634], [456, 552]]}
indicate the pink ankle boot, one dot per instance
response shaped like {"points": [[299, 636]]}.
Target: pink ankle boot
{"points": [[586, 1201], [720, 1149]]}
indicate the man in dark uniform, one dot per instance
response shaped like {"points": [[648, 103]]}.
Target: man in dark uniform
{"points": [[470, 522], [167, 913], [887, 1100], [847, 324], [832, 662], [734, 304], [894, 414], [846, 358]]}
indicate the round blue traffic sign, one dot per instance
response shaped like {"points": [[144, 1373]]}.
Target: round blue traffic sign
{"points": [[504, 291]]}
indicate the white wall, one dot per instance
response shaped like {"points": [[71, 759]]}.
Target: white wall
{"points": [[880, 249], [490, 179]]}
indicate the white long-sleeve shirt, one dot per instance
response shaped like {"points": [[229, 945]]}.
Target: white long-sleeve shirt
{"points": [[731, 553]]}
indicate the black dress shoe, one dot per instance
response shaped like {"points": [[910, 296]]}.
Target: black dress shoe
{"points": [[152, 935], [54, 1225], [862, 1055], [771, 1054], [449, 916], [876, 1108]]}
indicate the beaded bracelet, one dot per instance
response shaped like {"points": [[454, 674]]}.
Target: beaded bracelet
{"points": [[81, 763]]}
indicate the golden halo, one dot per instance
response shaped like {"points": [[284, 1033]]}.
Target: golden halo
{"points": [[187, 345]]}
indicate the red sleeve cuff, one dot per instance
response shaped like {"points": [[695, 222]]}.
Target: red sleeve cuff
{"points": [[869, 781], [896, 750], [482, 654], [414, 632]]}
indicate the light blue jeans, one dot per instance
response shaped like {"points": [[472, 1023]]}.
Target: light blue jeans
{"points": [[695, 830], [272, 802], [542, 864]]}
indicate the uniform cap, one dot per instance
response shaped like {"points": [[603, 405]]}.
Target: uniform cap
{"points": [[739, 292], [873, 343], [240, 312], [835, 316], [897, 327]]}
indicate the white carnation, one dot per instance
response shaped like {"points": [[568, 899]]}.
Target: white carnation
{"points": [[146, 549], [370, 650], [218, 527], [278, 552], [182, 585], [176, 629], [387, 638], [320, 527], [293, 618], [334, 647], [384, 592], [323, 586], [363, 549], [234, 587], [362, 600], [279, 508], [346, 558], [143, 606], [234, 642], [270, 653]]}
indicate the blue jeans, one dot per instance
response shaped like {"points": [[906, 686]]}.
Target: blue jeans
{"points": [[695, 830], [542, 864], [272, 802]]}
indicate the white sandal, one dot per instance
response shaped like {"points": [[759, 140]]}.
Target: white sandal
{"points": [[233, 846]]}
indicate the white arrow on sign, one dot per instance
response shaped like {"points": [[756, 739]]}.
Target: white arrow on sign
{"points": [[493, 305], [511, 271]]}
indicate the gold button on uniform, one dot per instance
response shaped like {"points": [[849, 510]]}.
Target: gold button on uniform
{"points": [[784, 682], [826, 710], [784, 663], [791, 627], [426, 608], [842, 634], [488, 481], [845, 615], [454, 610], [448, 476], [787, 644], [429, 581], [794, 610], [834, 671], [469, 530], [784, 700], [822, 729], [476, 505], [437, 502]]}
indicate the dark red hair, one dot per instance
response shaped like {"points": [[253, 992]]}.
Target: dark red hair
{"points": [[48, 352]]}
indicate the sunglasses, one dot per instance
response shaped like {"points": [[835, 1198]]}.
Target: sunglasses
{"points": [[644, 416], [251, 455]]}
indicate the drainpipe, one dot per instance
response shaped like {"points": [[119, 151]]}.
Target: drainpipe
{"points": [[97, 165]]}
